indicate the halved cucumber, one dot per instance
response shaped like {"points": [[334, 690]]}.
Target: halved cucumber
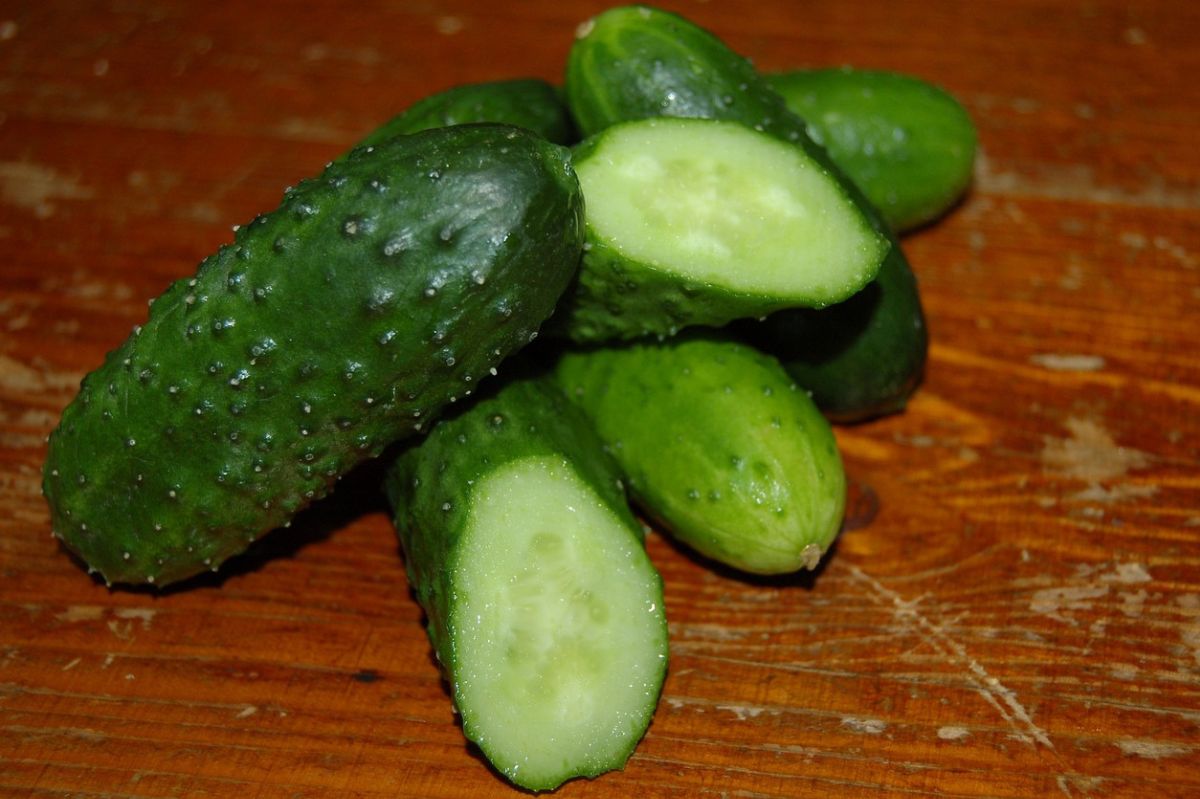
{"points": [[553, 626], [543, 607], [699, 222]]}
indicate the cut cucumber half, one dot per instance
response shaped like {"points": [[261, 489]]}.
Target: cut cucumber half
{"points": [[543, 606], [552, 626], [699, 222]]}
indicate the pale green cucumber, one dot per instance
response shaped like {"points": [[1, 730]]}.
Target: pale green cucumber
{"points": [[718, 445]]}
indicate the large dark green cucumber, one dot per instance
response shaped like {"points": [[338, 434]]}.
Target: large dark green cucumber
{"points": [[332, 326], [543, 607], [699, 222], [525, 102], [907, 144], [719, 445], [634, 62]]}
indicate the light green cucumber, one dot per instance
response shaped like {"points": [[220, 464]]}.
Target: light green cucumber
{"points": [[340, 322], [718, 444], [525, 102], [543, 607], [909, 145], [699, 222]]}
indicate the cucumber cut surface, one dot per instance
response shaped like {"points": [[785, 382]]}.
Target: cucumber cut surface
{"points": [[543, 607], [727, 206], [557, 613]]}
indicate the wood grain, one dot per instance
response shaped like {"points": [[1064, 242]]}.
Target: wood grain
{"points": [[1013, 611]]}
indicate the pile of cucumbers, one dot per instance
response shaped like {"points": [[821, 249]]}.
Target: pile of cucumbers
{"points": [[711, 257]]}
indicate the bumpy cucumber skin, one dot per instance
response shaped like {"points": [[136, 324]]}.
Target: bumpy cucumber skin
{"points": [[860, 359], [428, 488], [907, 144], [635, 62], [332, 326], [525, 102], [718, 445]]}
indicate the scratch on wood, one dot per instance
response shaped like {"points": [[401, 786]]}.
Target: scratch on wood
{"points": [[1090, 453], [1068, 362], [1153, 750], [1054, 602], [742, 712], [991, 689], [952, 733], [869, 726], [34, 187], [75, 613], [142, 614]]}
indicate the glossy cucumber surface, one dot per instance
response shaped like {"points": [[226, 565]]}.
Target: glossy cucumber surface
{"points": [[340, 322], [718, 444], [907, 144]]}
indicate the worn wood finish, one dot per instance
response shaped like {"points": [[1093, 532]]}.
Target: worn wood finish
{"points": [[1013, 611]]}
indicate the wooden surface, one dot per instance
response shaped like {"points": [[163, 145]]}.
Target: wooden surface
{"points": [[1014, 610]]}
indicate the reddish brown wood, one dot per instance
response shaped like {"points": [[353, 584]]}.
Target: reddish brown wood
{"points": [[1015, 610]]}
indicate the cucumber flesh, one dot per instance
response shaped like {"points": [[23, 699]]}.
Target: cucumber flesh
{"points": [[543, 607], [558, 612], [721, 204]]}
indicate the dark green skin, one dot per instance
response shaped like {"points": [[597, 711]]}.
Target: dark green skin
{"points": [[637, 62], [907, 144], [428, 488], [859, 359], [526, 102], [332, 326], [717, 444]]}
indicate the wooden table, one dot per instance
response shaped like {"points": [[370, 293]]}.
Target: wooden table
{"points": [[1013, 610]]}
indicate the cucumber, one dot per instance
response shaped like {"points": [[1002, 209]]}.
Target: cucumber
{"points": [[718, 445], [543, 607], [637, 62], [332, 326], [699, 222], [525, 102], [907, 144], [860, 359]]}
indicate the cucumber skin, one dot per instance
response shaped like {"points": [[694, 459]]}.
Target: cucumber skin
{"points": [[713, 437], [526, 418], [634, 62], [339, 322], [524, 102], [859, 359], [909, 145]]}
